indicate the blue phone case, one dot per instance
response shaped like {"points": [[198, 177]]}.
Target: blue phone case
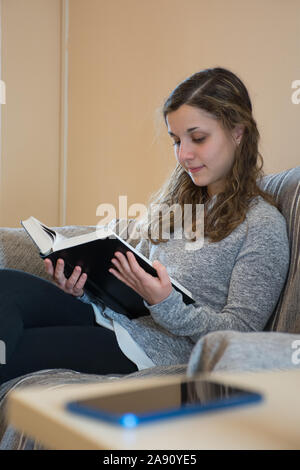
{"points": [[131, 420]]}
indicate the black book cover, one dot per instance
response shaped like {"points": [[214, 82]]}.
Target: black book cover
{"points": [[94, 257]]}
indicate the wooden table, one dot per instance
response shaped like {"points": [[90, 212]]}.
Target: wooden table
{"points": [[271, 424]]}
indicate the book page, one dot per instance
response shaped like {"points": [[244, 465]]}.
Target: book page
{"points": [[63, 243], [41, 237]]}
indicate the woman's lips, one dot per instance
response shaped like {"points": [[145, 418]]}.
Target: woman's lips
{"points": [[196, 169]]}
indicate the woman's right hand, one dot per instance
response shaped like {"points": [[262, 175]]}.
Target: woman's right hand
{"points": [[72, 285]]}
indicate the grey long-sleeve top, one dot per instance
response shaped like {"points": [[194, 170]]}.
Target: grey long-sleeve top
{"points": [[236, 284]]}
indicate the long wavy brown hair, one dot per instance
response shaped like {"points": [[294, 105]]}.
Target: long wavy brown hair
{"points": [[221, 93]]}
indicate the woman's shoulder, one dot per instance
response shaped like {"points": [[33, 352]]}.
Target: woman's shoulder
{"points": [[263, 213]]}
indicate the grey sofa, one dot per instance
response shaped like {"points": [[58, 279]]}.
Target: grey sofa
{"points": [[223, 350]]}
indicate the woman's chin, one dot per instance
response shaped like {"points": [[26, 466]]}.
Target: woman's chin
{"points": [[198, 181]]}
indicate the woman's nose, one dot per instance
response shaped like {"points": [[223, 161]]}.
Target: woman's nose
{"points": [[185, 152]]}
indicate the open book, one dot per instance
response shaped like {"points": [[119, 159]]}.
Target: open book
{"points": [[93, 252]]}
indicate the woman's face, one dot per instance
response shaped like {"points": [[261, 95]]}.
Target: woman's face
{"points": [[202, 147]]}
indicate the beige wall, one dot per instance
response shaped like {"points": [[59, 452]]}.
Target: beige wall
{"points": [[125, 56], [30, 144]]}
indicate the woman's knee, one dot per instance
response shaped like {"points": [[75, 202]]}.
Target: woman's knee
{"points": [[8, 275]]}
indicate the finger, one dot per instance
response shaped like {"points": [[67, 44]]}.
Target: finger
{"points": [[119, 276], [162, 273], [78, 288], [48, 267], [116, 264], [123, 262], [134, 265], [72, 280], [140, 275], [126, 270], [81, 281], [59, 276]]}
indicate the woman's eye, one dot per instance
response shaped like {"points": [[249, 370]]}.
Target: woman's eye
{"points": [[197, 141]]}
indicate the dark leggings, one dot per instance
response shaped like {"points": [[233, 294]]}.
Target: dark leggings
{"points": [[42, 327]]}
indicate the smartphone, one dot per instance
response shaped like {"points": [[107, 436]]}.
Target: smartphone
{"points": [[135, 407]]}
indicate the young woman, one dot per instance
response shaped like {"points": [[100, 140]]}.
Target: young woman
{"points": [[236, 276]]}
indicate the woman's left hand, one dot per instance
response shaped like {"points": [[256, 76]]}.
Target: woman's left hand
{"points": [[152, 289]]}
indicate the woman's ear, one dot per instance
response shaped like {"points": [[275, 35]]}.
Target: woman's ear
{"points": [[238, 132]]}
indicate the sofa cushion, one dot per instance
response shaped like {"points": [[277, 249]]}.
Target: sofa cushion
{"points": [[285, 186]]}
